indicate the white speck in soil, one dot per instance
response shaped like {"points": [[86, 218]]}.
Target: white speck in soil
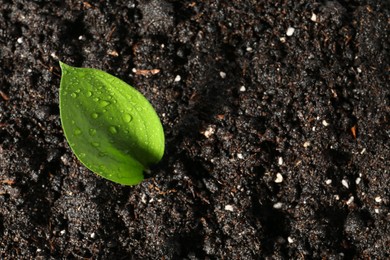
{"points": [[242, 89], [278, 205], [93, 235], [358, 180], [313, 17], [280, 160], [178, 78], [328, 181], [345, 183], [20, 40], [222, 74], [240, 156], [279, 178], [378, 199], [290, 31], [290, 240], [325, 123], [229, 208], [306, 144], [350, 200]]}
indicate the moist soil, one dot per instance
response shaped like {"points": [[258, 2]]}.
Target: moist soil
{"points": [[276, 117]]}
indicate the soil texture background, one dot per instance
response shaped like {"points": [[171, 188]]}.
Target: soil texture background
{"points": [[276, 116]]}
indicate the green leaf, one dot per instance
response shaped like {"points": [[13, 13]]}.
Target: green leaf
{"points": [[110, 126]]}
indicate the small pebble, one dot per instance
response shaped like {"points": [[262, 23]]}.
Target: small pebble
{"points": [[278, 205], [290, 31], [325, 123], [378, 199], [350, 200], [209, 132], [290, 240], [240, 156], [328, 181], [280, 160], [279, 178], [345, 183], [242, 89], [178, 78], [20, 40], [306, 144], [249, 49], [62, 232], [358, 180], [363, 151], [229, 208], [313, 17], [222, 74], [376, 211], [93, 235]]}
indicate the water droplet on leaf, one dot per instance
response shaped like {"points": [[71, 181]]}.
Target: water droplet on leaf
{"points": [[127, 118], [92, 132], [113, 130], [94, 115], [77, 132]]}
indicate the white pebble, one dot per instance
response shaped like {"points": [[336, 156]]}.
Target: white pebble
{"points": [[363, 151], [178, 78], [279, 178], [249, 49], [39, 250], [345, 183], [222, 74], [54, 55], [290, 240], [280, 160], [350, 200], [62, 232], [209, 132], [278, 205], [359, 70], [242, 89], [93, 235], [143, 198], [313, 17], [306, 144], [328, 181], [282, 39], [240, 156], [229, 208], [358, 180], [20, 40], [378, 199], [325, 123], [376, 211], [290, 31]]}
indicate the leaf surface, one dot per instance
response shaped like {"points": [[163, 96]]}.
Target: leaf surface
{"points": [[110, 126]]}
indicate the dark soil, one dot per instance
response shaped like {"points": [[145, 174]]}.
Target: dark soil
{"points": [[276, 146]]}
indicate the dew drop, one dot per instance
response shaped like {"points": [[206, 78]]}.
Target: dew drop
{"points": [[89, 93], [113, 130], [82, 155], [104, 103], [101, 154], [92, 132], [77, 132], [96, 99], [95, 144], [73, 95], [78, 91], [127, 118], [94, 115]]}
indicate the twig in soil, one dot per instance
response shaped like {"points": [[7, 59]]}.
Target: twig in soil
{"points": [[8, 182], [4, 96]]}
